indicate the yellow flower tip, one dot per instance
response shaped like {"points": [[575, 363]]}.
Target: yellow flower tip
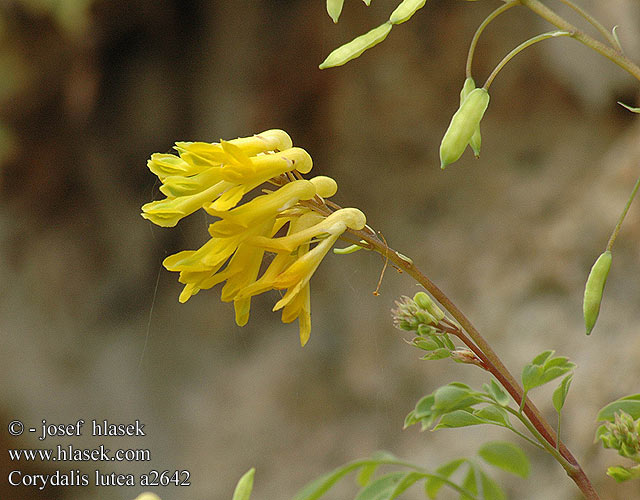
{"points": [[352, 218], [325, 186], [276, 139], [305, 329], [166, 218], [188, 291], [302, 161], [242, 307]]}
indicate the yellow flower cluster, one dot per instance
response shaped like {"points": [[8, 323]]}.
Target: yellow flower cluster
{"points": [[215, 177]]}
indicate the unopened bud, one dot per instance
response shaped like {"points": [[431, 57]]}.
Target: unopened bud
{"points": [[465, 356], [426, 302], [594, 289], [476, 139], [463, 125]]}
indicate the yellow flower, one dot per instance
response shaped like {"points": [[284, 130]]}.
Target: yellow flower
{"points": [[215, 177], [294, 272], [223, 172]]}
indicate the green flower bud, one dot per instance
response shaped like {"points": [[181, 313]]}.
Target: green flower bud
{"points": [[426, 302], [621, 474], [594, 289], [463, 125], [476, 139]]}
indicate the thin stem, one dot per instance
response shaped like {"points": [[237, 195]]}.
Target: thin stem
{"points": [[595, 23], [493, 363], [614, 235], [553, 451], [485, 23], [559, 426], [520, 48], [611, 54]]}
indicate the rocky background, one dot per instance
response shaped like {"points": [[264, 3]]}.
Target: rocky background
{"points": [[90, 325]]}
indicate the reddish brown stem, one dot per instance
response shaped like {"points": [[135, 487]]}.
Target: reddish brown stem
{"points": [[490, 359]]}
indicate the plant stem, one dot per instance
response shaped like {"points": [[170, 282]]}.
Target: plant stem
{"points": [[485, 23], [614, 235], [595, 23], [493, 363], [611, 54], [520, 48]]}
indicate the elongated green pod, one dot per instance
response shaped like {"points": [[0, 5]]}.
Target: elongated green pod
{"points": [[357, 46], [405, 10], [594, 289], [463, 125], [476, 139], [334, 8]]}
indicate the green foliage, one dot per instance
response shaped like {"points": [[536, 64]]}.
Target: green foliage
{"points": [[560, 394], [622, 474], [454, 405], [628, 404], [244, 486], [543, 369], [506, 456], [473, 483]]}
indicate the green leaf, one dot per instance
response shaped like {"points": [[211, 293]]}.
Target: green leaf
{"points": [[365, 474], [405, 483], [470, 483], [334, 8], [381, 488], [315, 489], [490, 489], [560, 394], [244, 486], [459, 418], [633, 110], [628, 404], [432, 485], [542, 357], [497, 393], [454, 396], [426, 344], [405, 10], [424, 407], [440, 353], [494, 415], [622, 474], [543, 369], [357, 46], [506, 456]]}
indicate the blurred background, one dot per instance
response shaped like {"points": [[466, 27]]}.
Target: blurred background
{"points": [[90, 324]]}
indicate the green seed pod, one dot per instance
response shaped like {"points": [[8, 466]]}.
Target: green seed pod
{"points": [[357, 46], [463, 125], [476, 139], [594, 289], [405, 10]]}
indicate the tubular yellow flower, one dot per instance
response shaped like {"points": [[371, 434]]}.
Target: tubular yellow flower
{"points": [[223, 172], [215, 177]]}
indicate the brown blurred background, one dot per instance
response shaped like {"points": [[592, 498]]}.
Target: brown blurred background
{"points": [[90, 325]]}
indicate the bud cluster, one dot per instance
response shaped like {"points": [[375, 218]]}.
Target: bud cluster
{"points": [[419, 314], [623, 435]]}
